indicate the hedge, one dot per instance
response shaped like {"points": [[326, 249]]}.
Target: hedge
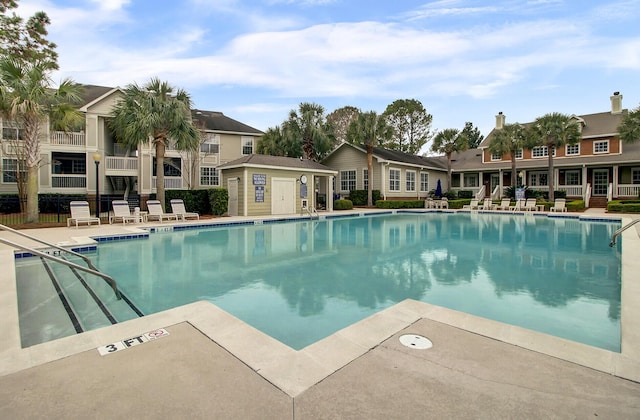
{"points": [[575, 205], [400, 204], [219, 200], [342, 205], [359, 197], [626, 206], [212, 201]]}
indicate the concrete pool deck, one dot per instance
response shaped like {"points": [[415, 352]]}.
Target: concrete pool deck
{"points": [[214, 366]]}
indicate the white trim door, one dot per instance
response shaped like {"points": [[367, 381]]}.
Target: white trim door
{"points": [[283, 196], [232, 185], [600, 182]]}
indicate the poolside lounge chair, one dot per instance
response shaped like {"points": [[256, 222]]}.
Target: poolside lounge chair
{"points": [[559, 205], [80, 214], [487, 204], [442, 203], [473, 205], [504, 204], [121, 212], [529, 205], [518, 206], [177, 207], [428, 203], [156, 212]]}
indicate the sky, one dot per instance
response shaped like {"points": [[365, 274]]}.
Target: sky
{"points": [[256, 60]]}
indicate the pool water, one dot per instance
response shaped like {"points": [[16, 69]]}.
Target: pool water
{"points": [[302, 281]]}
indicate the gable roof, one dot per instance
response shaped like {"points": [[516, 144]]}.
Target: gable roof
{"points": [[281, 162], [388, 155], [217, 121], [600, 124], [91, 94]]}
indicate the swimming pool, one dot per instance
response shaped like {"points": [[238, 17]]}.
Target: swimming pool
{"points": [[301, 281]]}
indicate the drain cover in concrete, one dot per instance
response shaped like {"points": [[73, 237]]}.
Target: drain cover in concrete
{"points": [[416, 342]]}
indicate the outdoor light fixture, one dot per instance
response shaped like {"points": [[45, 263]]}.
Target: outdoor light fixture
{"points": [[96, 158]]}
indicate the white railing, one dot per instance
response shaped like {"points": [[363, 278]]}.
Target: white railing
{"points": [[170, 182], [68, 139], [69, 181], [572, 190], [628, 190], [495, 194], [481, 193], [121, 163]]}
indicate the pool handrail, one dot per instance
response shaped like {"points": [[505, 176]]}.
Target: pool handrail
{"points": [[92, 268], [622, 229]]}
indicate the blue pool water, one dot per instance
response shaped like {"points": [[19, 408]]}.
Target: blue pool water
{"points": [[302, 281]]}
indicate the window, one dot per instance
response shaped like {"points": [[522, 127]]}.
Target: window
{"points": [[365, 179], [209, 176], [394, 180], [211, 143], [573, 149], [10, 170], [247, 145], [424, 181], [635, 176], [172, 167], [601, 146], [540, 151], [538, 178], [496, 156], [572, 178], [470, 180], [410, 180], [519, 154], [11, 130], [347, 180]]}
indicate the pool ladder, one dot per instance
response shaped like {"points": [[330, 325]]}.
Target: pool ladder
{"points": [[622, 229], [311, 213], [91, 270]]}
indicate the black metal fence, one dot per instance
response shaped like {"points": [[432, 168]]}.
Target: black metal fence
{"points": [[54, 208]]}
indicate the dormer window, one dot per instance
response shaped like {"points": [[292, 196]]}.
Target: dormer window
{"points": [[601, 146], [496, 156]]}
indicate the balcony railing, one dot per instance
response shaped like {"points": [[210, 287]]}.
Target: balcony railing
{"points": [[115, 163], [170, 182], [68, 139], [69, 181], [628, 190]]}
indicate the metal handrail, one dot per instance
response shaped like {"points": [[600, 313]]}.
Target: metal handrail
{"points": [[622, 229], [92, 268], [311, 214]]}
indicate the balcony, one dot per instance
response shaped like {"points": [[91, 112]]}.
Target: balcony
{"points": [[121, 166], [170, 182], [61, 138], [69, 181]]}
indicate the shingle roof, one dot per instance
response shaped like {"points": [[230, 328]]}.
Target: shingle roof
{"points": [[217, 121], [281, 162], [92, 92], [599, 124], [402, 157]]}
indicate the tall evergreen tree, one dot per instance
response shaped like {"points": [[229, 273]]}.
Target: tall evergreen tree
{"points": [[509, 140], [411, 125], [308, 126], [447, 142]]}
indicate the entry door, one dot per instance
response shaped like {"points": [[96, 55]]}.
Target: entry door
{"points": [[232, 186], [283, 197], [600, 182]]}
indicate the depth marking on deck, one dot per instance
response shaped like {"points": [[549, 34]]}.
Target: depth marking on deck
{"points": [[133, 341]]}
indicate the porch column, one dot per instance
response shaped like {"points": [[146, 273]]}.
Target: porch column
{"points": [[556, 177], [461, 180], [584, 181], [500, 183], [481, 183], [615, 182], [330, 180]]}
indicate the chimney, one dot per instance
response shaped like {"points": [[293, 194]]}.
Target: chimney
{"points": [[616, 103], [500, 118]]}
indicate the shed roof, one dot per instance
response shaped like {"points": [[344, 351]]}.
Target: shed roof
{"points": [[279, 162]]}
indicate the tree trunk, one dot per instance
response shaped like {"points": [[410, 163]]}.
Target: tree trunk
{"points": [[32, 194], [550, 150], [370, 175], [160, 148], [32, 152], [514, 174], [449, 171]]}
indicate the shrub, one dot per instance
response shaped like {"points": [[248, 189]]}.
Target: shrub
{"points": [[194, 200], [400, 204], [451, 195], [342, 205], [359, 197], [624, 206], [575, 205], [219, 200], [458, 204], [465, 194]]}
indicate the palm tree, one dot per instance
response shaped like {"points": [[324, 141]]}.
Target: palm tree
{"points": [[509, 139], [629, 127], [311, 128], [448, 141], [27, 98], [553, 130], [369, 129], [159, 113]]}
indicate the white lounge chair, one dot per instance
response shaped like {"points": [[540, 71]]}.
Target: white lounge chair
{"points": [[428, 203], [177, 207], [530, 205], [156, 212], [518, 206], [122, 213], [473, 205], [559, 205], [504, 204], [487, 204], [80, 213]]}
